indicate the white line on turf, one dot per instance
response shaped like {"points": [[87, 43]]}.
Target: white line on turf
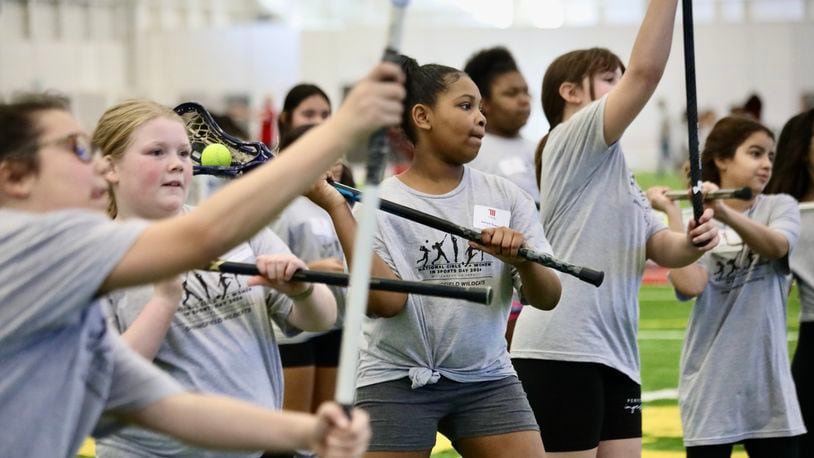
{"points": [[657, 395], [678, 334]]}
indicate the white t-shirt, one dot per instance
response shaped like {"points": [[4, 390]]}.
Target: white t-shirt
{"points": [[61, 366], [802, 262], [220, 341], [511, 158], [434, 337], [736, 379], [308, 231], [596, 216]]}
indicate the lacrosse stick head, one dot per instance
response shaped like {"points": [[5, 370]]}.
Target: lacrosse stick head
{"points": [[203, 131]]}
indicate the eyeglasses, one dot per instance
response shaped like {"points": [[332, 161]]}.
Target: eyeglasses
{"points": [[77, 143]]}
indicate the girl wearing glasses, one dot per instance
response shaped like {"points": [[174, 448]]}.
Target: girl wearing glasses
{"points": [[62, 370], [735, 383]]}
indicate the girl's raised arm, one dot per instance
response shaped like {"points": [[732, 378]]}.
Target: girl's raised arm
{"points": [[647, 62]]}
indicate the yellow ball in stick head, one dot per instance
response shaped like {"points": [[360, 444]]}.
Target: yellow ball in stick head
{"points": [[216, 154]]}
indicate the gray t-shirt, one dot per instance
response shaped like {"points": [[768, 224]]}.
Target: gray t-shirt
{"points": [[220, 341], [595, 215], [802, 262], [511, 158], [308, 231], [61, 365], [434, 337], [735, 377]]}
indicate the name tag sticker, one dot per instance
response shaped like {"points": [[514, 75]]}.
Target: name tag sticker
{"points": [[511, 166], [321, 227], [490, 217]]}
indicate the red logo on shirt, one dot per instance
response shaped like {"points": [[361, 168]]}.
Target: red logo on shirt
{"points": [[492, 212]]}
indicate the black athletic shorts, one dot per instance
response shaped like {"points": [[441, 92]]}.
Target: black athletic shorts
{"points": [[321, 351], [802, 367], [577, 405]]}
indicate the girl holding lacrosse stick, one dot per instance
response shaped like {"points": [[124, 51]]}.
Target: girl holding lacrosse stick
{"points": [[212, 331], [736, 385], [442, 365], [580, 364], [793, 174], [48, 175]]}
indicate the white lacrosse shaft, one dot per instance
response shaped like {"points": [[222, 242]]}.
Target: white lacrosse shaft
{"points": [[359, 284]]}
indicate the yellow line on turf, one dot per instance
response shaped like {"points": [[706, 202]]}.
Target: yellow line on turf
{"points": [[441, 443], [88, 448]]}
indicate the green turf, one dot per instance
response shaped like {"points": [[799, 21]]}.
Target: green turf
{"points": [[446, 454], [649, 179]]}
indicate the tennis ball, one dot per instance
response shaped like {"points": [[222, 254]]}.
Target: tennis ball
{"points": [[216, 154]]}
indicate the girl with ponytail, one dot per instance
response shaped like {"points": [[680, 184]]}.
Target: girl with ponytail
{"points": [[580, 363], [442, 364]]}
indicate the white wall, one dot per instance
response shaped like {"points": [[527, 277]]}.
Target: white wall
{"points": [[100, 55], [211, 63], [732, 60], [74, 53], [106, 53]]}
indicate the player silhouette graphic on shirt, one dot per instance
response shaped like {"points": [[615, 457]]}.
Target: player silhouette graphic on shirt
{"points": [[426, 252], [225, 282], [440, 252], [188, 293], [454, 248], [471, 253]]}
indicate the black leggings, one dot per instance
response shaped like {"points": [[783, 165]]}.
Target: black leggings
{"points": [[802, 368], [775, 447]]}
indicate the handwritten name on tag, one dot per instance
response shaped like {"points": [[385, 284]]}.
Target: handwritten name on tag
{"points": [[490, 217]]}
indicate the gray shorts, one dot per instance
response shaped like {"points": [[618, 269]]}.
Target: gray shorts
{"points": [[404, 419]]}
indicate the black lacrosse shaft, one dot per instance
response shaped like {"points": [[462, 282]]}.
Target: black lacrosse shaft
{"points": [[379, 146], [692, 110], [744, 193], [481, 295], [585, 274]]}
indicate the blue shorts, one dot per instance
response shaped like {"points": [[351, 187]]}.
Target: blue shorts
{"points": [[404, 419]]}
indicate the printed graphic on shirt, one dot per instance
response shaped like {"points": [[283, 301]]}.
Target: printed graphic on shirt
{"points": [[206, 302], [733, 263], [452, 261], [639, 198]]}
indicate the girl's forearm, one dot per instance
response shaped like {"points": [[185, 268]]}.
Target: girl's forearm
{"points": [[317, 312], [223, 423], [149, 329], [541, 286], [763, 240]]}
